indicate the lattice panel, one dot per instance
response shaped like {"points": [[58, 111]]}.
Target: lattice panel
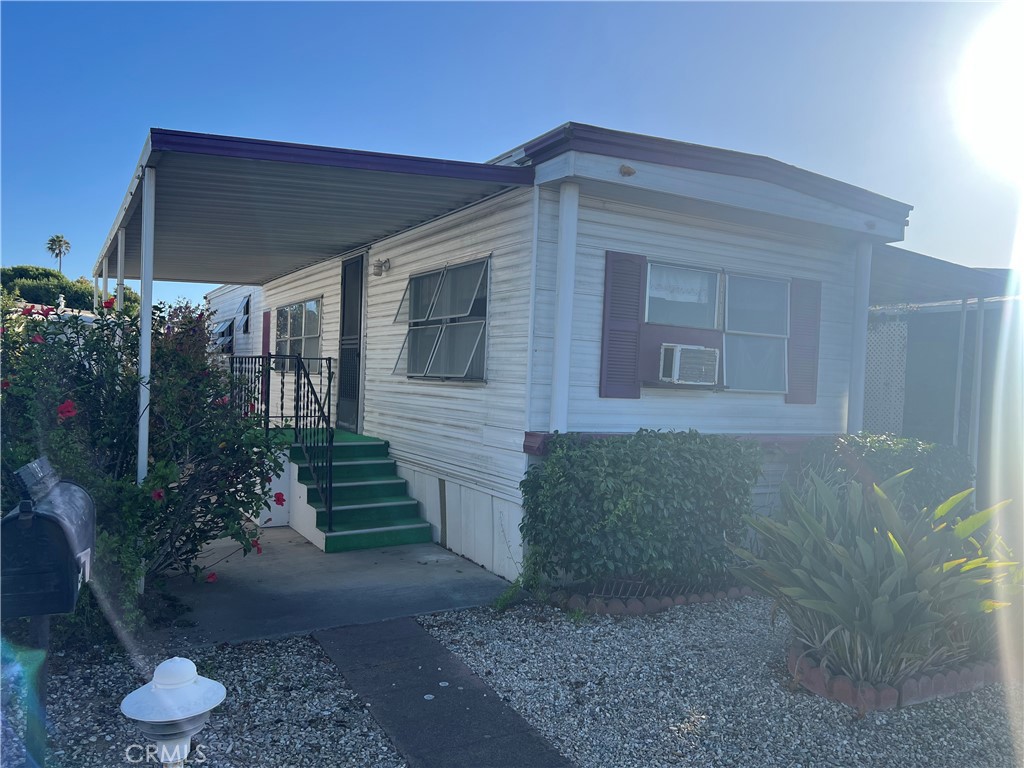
{"points": [[885, 375]]}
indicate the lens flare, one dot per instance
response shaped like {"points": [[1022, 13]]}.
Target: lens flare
{"points": [[990, 118], [987, 93]]}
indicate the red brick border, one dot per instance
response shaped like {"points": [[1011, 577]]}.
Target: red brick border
{"points": [[636, 606], [865, 697]]}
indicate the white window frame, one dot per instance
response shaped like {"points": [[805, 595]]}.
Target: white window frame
{"points": [[278, 338], [444, 322], [726, 332]]}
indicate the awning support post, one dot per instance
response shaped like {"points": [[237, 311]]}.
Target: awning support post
{"points": [[95, 293], [959, 372], [979, 357], [106, 279], [120, 269], [859, 340], [565, 286], [146, 318]]}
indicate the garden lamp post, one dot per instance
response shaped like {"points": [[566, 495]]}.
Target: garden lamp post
{"points": [[173, 708]]}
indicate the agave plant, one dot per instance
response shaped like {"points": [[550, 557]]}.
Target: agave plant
{"points": [[872, 595]]}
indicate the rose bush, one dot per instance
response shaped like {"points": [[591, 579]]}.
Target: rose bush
{"points": [[71, 393]]}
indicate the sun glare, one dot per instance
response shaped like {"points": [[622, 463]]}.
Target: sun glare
{"points": [[987, 93]]}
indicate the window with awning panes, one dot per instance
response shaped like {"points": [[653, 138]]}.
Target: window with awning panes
{"points": [[298, 333], [446, 314], [243, 314], [224, 337]]}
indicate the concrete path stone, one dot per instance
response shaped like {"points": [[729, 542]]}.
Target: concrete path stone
{"points": [[437, 712], [294, 588]]}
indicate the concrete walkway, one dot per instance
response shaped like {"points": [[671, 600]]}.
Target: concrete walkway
{"points": [[436, 711], [357, 605], [294, 588]]}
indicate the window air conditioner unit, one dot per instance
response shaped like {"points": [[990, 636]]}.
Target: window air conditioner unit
{"points": [[686, 364]]}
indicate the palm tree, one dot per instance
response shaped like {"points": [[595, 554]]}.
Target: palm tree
{"points": [[58, 246]]}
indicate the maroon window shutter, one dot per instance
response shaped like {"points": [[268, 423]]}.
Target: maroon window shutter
{"points": [[804, 334], [266, 332], [624, 275]]}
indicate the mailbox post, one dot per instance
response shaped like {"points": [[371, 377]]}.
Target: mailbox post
{"points": [[46, 547]]}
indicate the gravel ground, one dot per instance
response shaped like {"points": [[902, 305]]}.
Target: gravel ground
{"points": [[287, 705], [704, 685]]}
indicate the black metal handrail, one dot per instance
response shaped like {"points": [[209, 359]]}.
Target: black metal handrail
{"points": [[315, 433], [309, 413]]}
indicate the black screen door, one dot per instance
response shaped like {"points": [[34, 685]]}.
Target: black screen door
{"points": [[348, 356]]}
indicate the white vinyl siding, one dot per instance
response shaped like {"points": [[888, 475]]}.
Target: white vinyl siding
{"points": [[223, 303], [321, 281], [669, 238], [469, 432]]}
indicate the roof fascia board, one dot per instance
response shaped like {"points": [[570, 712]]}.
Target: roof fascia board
{"points": [[559, 168], [631, 146], [128, 205], [732, 199], [967, 282], [164, 140]]}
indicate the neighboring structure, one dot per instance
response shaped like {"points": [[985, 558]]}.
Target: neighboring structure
{"points": [[233, 310], [925, 380], [588, 281]]}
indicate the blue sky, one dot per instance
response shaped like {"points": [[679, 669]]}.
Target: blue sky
{"points": [[856, 91]]}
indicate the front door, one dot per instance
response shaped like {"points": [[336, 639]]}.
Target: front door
{"points": [[348, 356]]}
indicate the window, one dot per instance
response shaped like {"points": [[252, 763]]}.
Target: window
{"points": [[755, 322], [756, 333], [224, 337], [766, 330], [446, 312], [243, 313], [298, 333], [680, 296]]}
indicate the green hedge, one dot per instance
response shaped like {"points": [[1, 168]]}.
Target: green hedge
{"points": [[653, 505], [940, 471], [27, 272], [40, 285]]}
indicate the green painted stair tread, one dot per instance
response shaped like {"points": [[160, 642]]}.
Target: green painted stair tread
{"points": [[381, 501], [363, 469], [371, 506], [341, 436], [344, 452], [371, 513], [402, 522], [410, 531], [359, 490]]}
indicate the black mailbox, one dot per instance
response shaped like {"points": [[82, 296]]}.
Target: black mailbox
{"points": [[46, 545]]}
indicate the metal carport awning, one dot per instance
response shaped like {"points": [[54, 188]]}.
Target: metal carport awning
{"points": [[233, 210], [899, 276], [221, 209]]}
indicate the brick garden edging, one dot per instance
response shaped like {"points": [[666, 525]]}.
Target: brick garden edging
{"points": [[865, 697], [634, 606]]}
